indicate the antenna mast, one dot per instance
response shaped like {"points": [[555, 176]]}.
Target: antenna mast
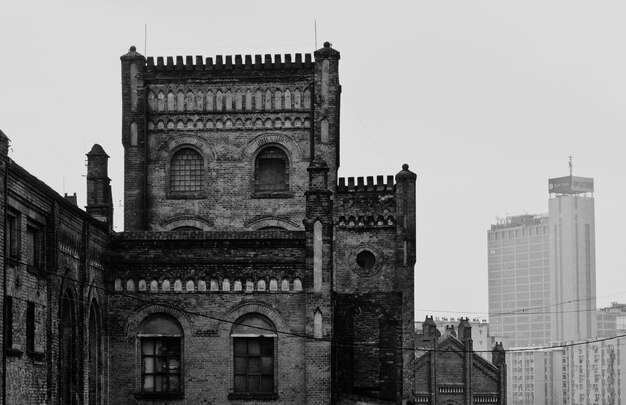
{"points": [[570, 165], [315, 29]]}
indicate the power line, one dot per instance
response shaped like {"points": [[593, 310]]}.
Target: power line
{"points": [[168, 304]]}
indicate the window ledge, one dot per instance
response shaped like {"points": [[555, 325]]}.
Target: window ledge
{"points": [[191, 195], [159, 395], [13, 261], [257, 396], [272, 194]]}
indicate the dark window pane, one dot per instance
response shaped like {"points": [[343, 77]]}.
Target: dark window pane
{"points": [[267, 347], [158, 383], [254, 347], [240, 365], [267, 383], [147, 346], [254, 383], [240, 383], [240, 347], [267, 365], [254, 365]]}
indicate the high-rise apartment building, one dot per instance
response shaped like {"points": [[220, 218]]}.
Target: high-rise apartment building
{"points": [[587, 372], [519, 280]]}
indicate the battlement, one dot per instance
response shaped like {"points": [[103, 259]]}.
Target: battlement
{"points": [[365, 184], [230, 63]]}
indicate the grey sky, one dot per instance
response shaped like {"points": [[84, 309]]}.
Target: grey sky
{"points": [[484, 101]]}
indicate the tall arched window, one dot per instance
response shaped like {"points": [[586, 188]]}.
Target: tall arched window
{"points": [[186, 171], [253, 345], [160, 338], [271, 170], [95, 355], [68, 345]]}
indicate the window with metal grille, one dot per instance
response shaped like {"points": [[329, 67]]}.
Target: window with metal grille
{"points": [[186, 171], [271, 170]]}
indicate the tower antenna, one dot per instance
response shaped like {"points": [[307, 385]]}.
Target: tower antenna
{"points": [[145, 39], [570, 165], [315, 29]]}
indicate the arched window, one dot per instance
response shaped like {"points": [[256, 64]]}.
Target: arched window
{"points": [[68, 346], [271, 170], [253, 344], [186, 171], [160, 337], [95, 355]]}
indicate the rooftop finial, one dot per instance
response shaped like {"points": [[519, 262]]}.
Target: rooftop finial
{"points": [[570, 165], [405, 167], [133, 49], [326, 44]]}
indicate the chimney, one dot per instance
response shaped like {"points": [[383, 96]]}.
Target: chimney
{"points": [[71, 198], [450, 331], [429, 328], [99, 199], [498, 355]]}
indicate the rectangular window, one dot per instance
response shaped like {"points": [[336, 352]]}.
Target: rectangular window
{"points": [[30, 328], [8, 322], [160, 364], [34, 246], [254, 364]]}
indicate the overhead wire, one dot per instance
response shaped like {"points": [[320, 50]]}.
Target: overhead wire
{"points": [[168, 304]]}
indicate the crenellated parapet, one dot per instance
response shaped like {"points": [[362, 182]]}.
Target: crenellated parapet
{"points": [[228, 64], [363, 203]]}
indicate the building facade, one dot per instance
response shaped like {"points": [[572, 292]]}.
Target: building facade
{"points": [[449, 371], [587, 372], [247, 270], [519, 280], [53, 290]]}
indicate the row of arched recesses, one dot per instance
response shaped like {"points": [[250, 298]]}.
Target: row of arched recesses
{"points": [[238, 123], [71, 366], [187, 172], [213, 285], [366, 220], [229, 100]]}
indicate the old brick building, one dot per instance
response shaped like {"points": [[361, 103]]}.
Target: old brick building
{"points": [[247, 270], [53, 288], [247, 273], [449, 372]]}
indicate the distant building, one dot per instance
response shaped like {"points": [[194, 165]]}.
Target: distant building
{"points": [[572, 258], [482, 341], [542, 275], [448, 371], [519, 280], [585, 372], [612, 320]]}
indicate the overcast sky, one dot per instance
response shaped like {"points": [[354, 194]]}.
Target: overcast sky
{"points": [[484, 100]]}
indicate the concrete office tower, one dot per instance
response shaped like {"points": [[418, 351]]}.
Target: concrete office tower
{"points": [[519, 280], [572, 261]]}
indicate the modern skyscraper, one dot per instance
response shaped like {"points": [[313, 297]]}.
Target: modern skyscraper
{"points": [[572, 258], [519, 280]]}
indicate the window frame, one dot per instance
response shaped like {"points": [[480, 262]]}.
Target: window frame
{"points": [[145, 337], [259, 190], [269, 336], [31, 328], [171, 192], [13, 237], [38, 248]]}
